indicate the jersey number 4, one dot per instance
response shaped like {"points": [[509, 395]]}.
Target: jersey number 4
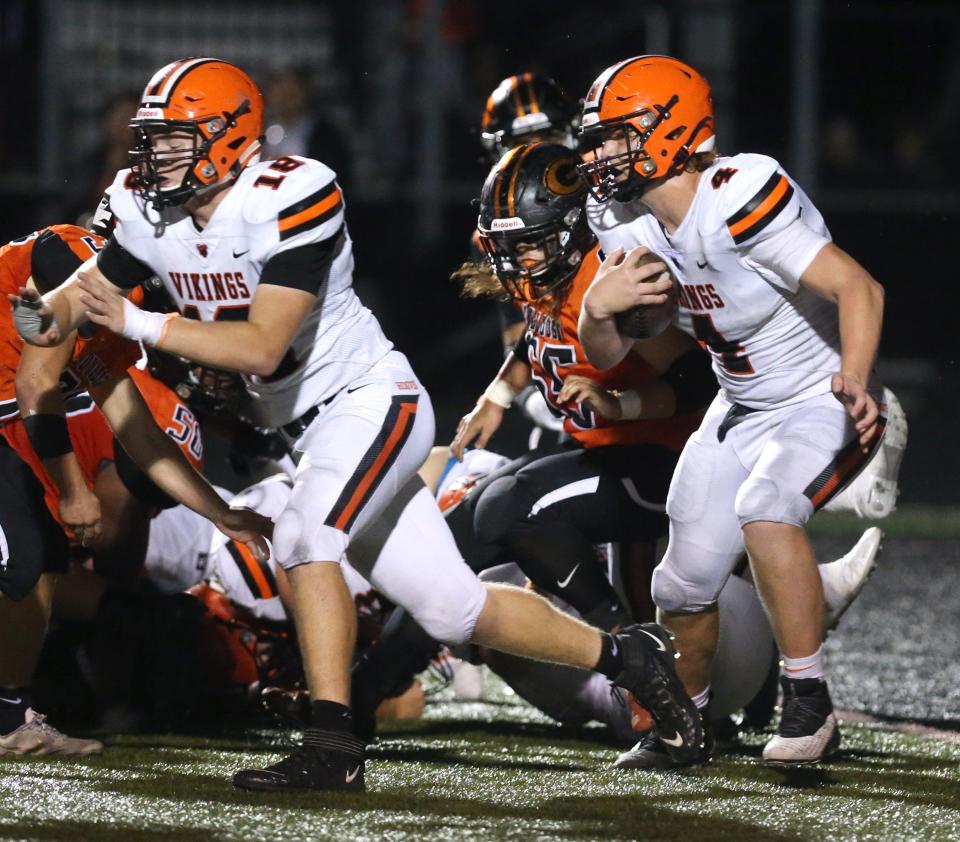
{"points": [[733, 355]]}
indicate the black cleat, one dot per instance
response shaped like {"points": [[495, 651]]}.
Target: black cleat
{"points": [[651, 753], [327, 760], [649, 673], [808, 731]]}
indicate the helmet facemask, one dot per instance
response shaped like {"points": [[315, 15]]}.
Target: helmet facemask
{"points": [[624, 176], [530, 277], [149, 165]]}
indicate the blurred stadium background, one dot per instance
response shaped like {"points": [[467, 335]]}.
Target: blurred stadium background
{"points": [[859, 100]]}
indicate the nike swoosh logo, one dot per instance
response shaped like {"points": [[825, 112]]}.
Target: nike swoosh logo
{"points": [[701, 265], [566, 581], [676, 740], [355, 772], [239, 253], [16, 701], [656, 640]]}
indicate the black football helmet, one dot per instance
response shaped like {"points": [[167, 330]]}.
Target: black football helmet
{"points": [[532, 224], [525, 108]]}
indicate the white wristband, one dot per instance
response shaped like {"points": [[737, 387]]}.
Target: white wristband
{"points": [[631, 405], [142, 325], [501, 393]]}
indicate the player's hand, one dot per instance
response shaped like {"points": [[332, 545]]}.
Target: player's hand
{"points": [[591, 396], [103, 305], [477, 426], [863, 409], [80, 513], [249, 527], [34, 318], [623, 282]]}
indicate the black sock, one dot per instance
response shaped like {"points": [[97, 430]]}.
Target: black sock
{"points": [[14, 702], [611, 656], [331, 716]]}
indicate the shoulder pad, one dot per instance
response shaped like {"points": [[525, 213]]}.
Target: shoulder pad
{"points": [[753, 191], [276, 188]]}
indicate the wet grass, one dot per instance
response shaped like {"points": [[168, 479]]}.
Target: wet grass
{"points": [[486, 771], [936, 522]]}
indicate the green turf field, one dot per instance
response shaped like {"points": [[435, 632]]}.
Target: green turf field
{"points": [[456, 776]]}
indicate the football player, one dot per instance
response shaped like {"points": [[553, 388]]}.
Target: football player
{"points": [[55, 457], [257, 256], [523, 108], [628, 424], [792, 324]]}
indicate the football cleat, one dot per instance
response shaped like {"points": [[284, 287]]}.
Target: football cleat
{"points": [[37, 737], [650, 675], [844, 578], [651, 753], [808, 731], [326, 760]]}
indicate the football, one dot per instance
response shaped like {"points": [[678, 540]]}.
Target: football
{"points": [[646, 322]]}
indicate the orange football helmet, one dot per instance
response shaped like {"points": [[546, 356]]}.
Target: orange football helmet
{"points": [[660, 111], [218, 105]]}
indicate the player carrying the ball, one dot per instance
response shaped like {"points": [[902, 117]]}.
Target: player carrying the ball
{"points": [[792, 324]]}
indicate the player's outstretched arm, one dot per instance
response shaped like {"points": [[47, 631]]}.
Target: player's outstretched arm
{"points": [[837, 277], [44, 418], [49, 320], [255, 346], [621, 282], [479, 425], [161, 459]]}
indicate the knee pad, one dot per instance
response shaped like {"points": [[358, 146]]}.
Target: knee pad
{"points": [[761, 498], [298, 539], [687, 594], [501, 504], [449, 621]]}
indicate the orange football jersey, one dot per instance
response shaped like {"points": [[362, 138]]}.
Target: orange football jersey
{"points": [[16, 268], [555, 352]]}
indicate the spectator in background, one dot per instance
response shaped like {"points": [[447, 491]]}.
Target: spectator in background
{"points": [[296, 126], [97, 169]]}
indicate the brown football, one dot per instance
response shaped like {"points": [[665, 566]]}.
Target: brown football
{"points": [[646, 322]]}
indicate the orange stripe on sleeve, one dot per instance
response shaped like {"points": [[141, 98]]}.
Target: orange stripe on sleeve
{"points": [[312, 212], [762, 209]]}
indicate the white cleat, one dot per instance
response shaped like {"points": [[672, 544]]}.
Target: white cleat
{"points": [[844, 578], [810, 749], [36, 737], [808, 731]]}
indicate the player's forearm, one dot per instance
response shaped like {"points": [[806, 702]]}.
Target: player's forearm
{"points": [[603, 344], [64, 301], [235, 346], [153, 451], [514, 376], [861, 319]]}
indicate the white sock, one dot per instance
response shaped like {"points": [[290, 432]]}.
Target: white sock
{"points": [[808, 667], [701, 699]]}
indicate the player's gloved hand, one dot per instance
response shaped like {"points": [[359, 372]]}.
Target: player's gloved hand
{"points": [[107, 308], [34, 319], [591, 396], [250, 527], [624, 281], [863, 409], [477, 426], [80, 513]]}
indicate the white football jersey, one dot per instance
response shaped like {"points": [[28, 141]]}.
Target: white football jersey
{"points": [[274, 208], [738, 256]]}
